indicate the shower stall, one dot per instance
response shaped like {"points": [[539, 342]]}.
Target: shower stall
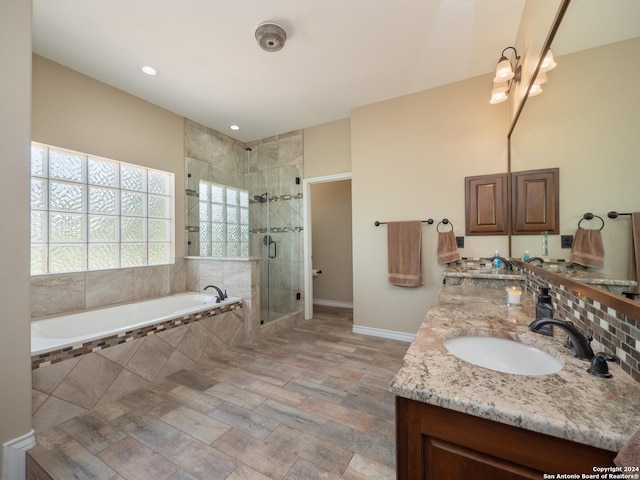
{"points": [[274, 168]]}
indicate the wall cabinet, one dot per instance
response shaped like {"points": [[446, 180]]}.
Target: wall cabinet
{"points": [[535, 201], [435, 443], [530, 198], [486, 204]]}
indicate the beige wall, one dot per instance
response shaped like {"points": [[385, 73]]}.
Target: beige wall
{"points": [[15, 369], [73, 111], [327, 149], [588, 127], [410, 156], [332, 240]]}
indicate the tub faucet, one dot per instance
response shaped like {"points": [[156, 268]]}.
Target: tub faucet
{"points": [[221, 296], [579, 341]]}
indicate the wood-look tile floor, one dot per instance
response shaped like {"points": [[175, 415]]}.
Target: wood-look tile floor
{"points": [[310, 402]]}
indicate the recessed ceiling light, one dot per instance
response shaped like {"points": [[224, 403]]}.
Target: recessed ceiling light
{"points": [[234, 127], [149, 70]]}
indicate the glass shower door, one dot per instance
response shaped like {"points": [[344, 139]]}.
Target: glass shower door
{"points": [[276, 233]]}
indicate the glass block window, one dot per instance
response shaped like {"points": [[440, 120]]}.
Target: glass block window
{"points": [[91, 213], [224, 221]]}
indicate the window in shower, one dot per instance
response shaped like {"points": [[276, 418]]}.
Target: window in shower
{"points": [[92, 213], [224, 220]]}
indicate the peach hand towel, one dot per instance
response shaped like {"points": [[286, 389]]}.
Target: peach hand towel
{"points": [[635, 246], [587, 249], [447, 247], [629, 454], [404, 253]]}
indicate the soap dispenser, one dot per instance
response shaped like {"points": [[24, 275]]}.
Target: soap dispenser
{"points": [[544, 309]]}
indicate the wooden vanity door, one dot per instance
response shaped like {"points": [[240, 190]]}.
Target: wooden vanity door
{"points": [[447, 461]]}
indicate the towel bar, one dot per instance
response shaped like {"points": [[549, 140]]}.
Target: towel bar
{"points": [[377, 223], [613, 214]]}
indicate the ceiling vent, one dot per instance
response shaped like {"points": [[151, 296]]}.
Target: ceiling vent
{"points": [[271, 36]]}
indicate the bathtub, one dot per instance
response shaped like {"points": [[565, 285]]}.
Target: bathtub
{"points": [[91, 329]]}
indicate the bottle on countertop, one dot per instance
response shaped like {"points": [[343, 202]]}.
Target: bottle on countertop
{"points": [[525, 255], [497, 263], [544, 309]]}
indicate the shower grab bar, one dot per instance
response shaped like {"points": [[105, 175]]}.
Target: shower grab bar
{"points": [[377, 223]]}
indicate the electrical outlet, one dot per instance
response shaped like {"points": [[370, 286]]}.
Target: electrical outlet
{"points": [[566, 241], [460, 242]]}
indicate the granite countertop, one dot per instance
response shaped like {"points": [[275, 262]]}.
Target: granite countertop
{"points": [[459, 271], [594, 278], [570, 404]]}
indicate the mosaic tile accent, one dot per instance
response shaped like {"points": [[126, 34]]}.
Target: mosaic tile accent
{"points": [[56, 356], [612, 331]]}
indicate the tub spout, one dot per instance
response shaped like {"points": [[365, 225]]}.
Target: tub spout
{"points": [[221, 296]]}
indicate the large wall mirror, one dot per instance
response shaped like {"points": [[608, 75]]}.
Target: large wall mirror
{"points": [[586, 123]]}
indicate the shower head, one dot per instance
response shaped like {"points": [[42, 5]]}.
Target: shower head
{"points": [[261, 198]]}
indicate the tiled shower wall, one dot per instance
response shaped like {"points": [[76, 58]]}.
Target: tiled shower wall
{"points": [[612, 331], [274, 165], [211, 156], [53, 294]]}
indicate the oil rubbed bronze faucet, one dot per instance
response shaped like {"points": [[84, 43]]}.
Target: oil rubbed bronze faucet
{"points": [[221, 296], [579, 341]]}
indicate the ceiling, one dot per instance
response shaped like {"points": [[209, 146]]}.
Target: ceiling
{"points": [[339, 54]]}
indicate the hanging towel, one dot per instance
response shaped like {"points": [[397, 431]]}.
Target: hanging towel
{"points": [[635, 247], [447, 247], [587, 249], [629, 454], [404, 253]]}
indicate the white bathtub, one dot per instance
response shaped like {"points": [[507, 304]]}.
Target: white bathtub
{"points": [[56, 333]]}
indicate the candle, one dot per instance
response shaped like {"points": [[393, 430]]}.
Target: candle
{"points": [[513, 295]]}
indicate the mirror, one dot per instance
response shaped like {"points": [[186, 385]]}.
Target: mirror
{"points": [[585, 123]]}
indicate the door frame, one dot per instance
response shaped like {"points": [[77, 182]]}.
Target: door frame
{"points": [[306, 229]]}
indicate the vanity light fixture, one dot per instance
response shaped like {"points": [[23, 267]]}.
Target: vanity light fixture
{"points": [[548, 63], [507, 73]]}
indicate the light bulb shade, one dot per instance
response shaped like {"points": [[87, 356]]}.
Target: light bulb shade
{"points": [[499, 94], [535, 89], [504, 71], [540, 78], [548, 63]]}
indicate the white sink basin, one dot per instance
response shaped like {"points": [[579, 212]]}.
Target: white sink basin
{"points": [[503, 355]]}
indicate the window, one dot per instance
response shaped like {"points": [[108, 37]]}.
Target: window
{"points": [[224, 221], [91, 213]]}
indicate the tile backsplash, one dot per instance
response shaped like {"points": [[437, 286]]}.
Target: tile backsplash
{"points": [[612, 331]]}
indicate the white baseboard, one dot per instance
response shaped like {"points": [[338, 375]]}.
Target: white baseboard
{"points": [[379, 332], [332, 303], [14, 455]]}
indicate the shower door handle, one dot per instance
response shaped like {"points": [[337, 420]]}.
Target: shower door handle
{"points": [[268, 241]]}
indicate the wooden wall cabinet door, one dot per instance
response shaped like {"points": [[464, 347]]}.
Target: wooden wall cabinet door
{"points": [[486, 204], [535, 201]]}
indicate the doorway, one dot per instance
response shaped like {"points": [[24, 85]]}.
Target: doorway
{"points": [[308, 236]]}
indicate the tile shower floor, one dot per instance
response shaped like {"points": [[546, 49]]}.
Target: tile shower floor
{"points": [[310, 402]]}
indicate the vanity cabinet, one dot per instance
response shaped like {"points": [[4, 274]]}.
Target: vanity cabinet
{"points": [[435, 443]]}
